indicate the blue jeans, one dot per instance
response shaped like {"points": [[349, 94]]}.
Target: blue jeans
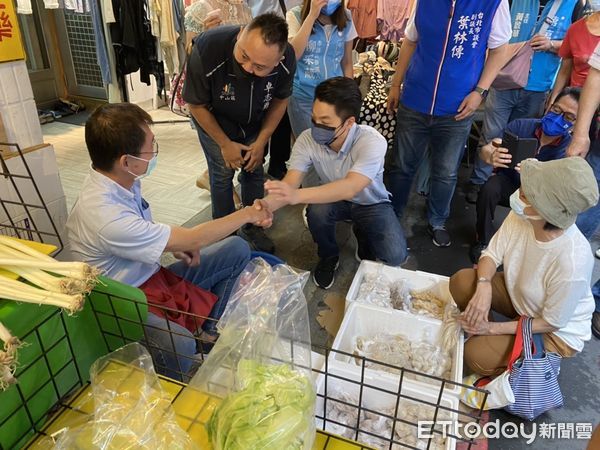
{"points": [[589, 221], [300, 113], [378, 229], [221, 178], [501, 108], [173, 346], [446, 138]]}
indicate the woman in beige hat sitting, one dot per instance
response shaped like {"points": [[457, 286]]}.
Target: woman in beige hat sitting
{"points": [[547, 265]]}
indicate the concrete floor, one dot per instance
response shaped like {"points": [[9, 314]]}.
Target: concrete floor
{"points": [[580, 376]]}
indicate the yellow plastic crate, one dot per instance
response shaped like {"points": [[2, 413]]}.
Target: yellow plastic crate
{"points": [[192, 409]]}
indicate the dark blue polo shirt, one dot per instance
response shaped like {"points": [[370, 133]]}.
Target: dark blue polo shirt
{"points": [[239, 103]]}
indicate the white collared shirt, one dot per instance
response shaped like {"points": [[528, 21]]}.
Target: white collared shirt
{"points": [[111, 228], [363, 152]]}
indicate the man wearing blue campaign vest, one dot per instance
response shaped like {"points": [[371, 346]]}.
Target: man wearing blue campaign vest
{"points": [[544, 32], [446, 75]]}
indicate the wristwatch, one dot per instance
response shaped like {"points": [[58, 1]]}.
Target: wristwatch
{"points": [[482, 92]]}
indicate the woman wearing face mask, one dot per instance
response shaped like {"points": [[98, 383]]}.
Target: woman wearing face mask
{"points": [[321, 32], [547, 265], [578, 45], [553, 133]]}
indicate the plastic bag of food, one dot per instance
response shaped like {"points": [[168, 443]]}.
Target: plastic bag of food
{"points": [[375, 290], [400, 293], [131, 410], [260, 366], [376, 420]]}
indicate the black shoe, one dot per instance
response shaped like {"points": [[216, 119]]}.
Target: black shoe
{"points": [[324, 274], [596, 324], [472, 192], [476, 250], [441, 237], [277, 172], [256, 237]]}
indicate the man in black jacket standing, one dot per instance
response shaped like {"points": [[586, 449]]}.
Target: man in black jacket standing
{"points": [[237, 87]]}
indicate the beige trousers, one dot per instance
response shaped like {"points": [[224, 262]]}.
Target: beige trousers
{"points": [[488, 355]]}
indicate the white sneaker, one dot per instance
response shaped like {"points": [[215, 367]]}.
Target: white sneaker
{"points": [[598, 253], [304, 216]]}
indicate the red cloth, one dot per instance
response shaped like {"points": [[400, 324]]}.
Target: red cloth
{"points": [[166, 289], [578, 44]]}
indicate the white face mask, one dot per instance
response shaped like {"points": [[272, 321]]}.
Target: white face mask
{"points": [[594, 5], [151, 166], [518, 206]]}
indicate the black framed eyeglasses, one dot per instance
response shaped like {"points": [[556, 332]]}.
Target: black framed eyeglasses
{"points": [[558, 110]]}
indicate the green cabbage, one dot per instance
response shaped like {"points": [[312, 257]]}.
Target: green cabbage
{"points": [[274, 409]]}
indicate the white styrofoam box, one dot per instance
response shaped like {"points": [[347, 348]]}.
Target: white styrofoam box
{"points": [[377, 401], [366, 320], [318, 364], [41, 221], [21, 123], [44, 169], [417, 280]]}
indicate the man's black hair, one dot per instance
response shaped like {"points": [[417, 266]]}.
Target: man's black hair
{"points": [[574, 92], [343, 93], [114, 130], [273, 29]]}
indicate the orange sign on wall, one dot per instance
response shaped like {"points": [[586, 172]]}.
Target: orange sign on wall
{"points": [[11, 47]]}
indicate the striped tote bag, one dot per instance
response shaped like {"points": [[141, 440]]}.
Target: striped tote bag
{"points": [[534, 379]]}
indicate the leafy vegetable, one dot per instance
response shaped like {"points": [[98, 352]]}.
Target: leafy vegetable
{"points": [[272, 410]]}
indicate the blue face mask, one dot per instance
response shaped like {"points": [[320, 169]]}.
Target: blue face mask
{"points": [[555, 125], [151, 166], [331, 7], [323, 134]]}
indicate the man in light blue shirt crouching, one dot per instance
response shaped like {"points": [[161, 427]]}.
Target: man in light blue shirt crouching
{"points": [[349, 159]]}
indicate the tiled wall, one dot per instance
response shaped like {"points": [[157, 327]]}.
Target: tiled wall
{"points": [[19, 115], [17, 106]]}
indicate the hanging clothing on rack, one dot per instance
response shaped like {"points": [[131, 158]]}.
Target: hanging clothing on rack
{"points": [[168, 37], [101, 50], [135, 46], [393, 16], [79, 6], [24, 6], [364, 16], [107, 11]]}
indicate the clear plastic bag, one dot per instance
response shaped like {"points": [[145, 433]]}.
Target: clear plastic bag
{"points": [[372, 425], [375, 290], [400, 293], [398, 351], [260, 366], [131, 410]]}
